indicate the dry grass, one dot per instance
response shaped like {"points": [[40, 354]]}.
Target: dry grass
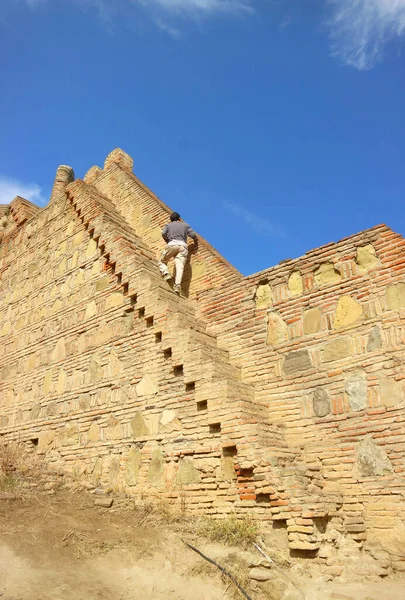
{"points": [[234, 565], [232, 530], [155, 513], [17, 465], [10, 457]]}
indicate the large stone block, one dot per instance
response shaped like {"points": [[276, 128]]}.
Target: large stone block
{"points": [[348, 311], [366, 258], [228, 468], [70, 435], [312, 319], [91, 310], [93, 435], [97, 470], [114, 472], [132, 467], [102, 284], [326, 274], [115, 366], [59, 352], [321, 402], [156, 469], [138, 425], [391, 391], [187, 473], [263, 296], [95, 370], [391, 540], [336, 350], [147, 386], [295, 284], [78, 239], [395, 296], [45, 441], [276, 329], [114, 299], [374, 341], [61, 383], [356, 389], [169, 421], [371, 460], [47, 383], [91, 248], [296, 362]]}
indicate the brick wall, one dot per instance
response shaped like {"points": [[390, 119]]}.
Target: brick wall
{"points": [[281, 393], [147, 215], [321, 339], [113, 376]]}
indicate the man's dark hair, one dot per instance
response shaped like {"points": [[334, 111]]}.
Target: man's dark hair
{"points": [[175, 216]]}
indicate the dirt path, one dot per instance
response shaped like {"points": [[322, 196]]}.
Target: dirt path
{"points": [[59, 546], [63, 547]]}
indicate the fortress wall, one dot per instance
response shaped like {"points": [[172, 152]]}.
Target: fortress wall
{"points": [[322, 339], [109, 374], [281, 393]]}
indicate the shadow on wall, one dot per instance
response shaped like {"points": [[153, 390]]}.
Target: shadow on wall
{"points": [[187, 275]]}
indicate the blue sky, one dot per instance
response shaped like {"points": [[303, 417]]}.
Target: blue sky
{"points": [[272, 126]]}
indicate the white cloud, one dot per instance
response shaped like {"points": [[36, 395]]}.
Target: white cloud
{"points": [[361, 29], [10, 188], [255, 222], [167, 28], [200, 6], [181, 7]]}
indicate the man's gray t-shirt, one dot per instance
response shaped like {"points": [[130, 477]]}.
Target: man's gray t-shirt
{"points": [[177, 231]]}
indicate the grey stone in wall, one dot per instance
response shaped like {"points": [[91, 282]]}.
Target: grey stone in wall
{"points": [[356, 389], [297, 361], [374, 340], [371, 460], [321, 403]]}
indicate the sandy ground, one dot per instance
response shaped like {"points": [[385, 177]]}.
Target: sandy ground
{"points": [[60, 546]]}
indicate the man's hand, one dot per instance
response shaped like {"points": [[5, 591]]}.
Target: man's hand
{"points": [[194, 247]]}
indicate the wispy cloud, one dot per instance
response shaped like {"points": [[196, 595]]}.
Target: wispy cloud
{"points": [[167, 28], [200, 6], [167, 15], [179, 7], [10, 188], [361, 29], [255, 222], [6, 24]]}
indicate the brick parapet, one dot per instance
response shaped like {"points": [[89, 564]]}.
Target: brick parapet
{"points": [[147, 214]]}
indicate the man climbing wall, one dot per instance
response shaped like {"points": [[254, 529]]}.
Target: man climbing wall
{"points": [[175, 235]]}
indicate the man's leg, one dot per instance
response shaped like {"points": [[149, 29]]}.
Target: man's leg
{"points": [[164, 259], [179, 261]]}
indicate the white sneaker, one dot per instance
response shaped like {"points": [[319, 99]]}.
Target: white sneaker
{"points": [[176, 289], [167, 277]]}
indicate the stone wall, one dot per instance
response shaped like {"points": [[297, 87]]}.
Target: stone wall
{"points": [[280, 394], [321, 339]]}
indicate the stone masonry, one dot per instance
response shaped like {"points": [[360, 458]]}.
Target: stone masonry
{"points": [[280, 394]]}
